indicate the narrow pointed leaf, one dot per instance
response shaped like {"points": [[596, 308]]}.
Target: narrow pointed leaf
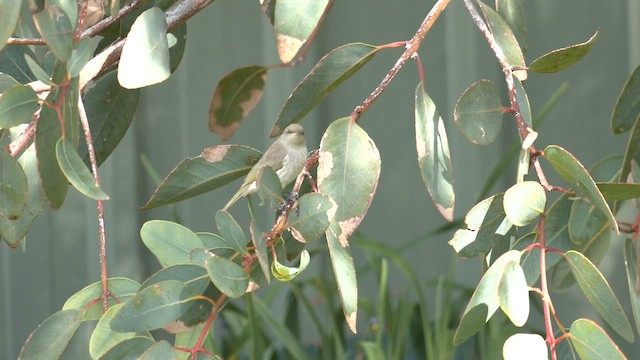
{"points": [[345, 273], [38, 71], [13, 186], [295, 21], [236, 95], [523, 102], [288, 273], [48, 132], [56, 28], [145, 55], [122, 288], [619, 191], [215, 167], [513, 14], [627, 109], [171, 243], [153, 307], [524, 202], [227, 276], [17, 106], [331, 71], [312, 217], [631, 153], [514, 294], [6, 81], [76, 172], [478, 112], [599, 294], [592, 342], [231, 231], [562, 58], [434, 157], [525, 346], [572, 171], [9, 14], [50, 338], [12, 63], [260, 245], [633, 280]]}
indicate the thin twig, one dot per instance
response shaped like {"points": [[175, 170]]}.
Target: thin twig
{"points": [[24, 139], [544, 288], [412, 47]]}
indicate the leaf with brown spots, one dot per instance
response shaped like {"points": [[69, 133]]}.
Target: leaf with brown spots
{"points": [[295, 21], [236, 96]]}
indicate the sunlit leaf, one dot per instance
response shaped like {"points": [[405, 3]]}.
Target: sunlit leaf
{"points": [[76, 172], [145, 55], [513, 294], [332, 70], [57, 29], [288, 273], [171, 243], [9, 14], [236, 95], [524, 202], [627, 109], [599, 294], [478, 112], [122, 288], [434, 157], [592, 342], [80, 55], [295, 21], [17, 106], [562, 58], [525, 347], [227, 276], [50, 338], [215, 167]]}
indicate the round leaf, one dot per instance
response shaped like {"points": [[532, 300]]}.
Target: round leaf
{"points": [[478, 112], [524, 202], [227, 276], [103, 338], [171, 243], [514, 294]]}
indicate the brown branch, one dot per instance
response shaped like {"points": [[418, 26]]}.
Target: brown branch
{"points": [[26, 41], [412, 47], [24, 139]]}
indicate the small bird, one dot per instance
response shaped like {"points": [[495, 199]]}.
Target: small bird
{"points": [[286, 156]]}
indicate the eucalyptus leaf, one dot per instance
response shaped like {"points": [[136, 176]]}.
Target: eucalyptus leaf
{"points": [[17, 106], [57, 29], [562, 58], [592, 342], [478, 112], [171, 243], [312, 216], [119, 287], [76, 172], [295, 21], [227, 276], [13, 186], [9, 15], [524, 202], [287, 273], [231, 231], [51, 337], [627, 108]]}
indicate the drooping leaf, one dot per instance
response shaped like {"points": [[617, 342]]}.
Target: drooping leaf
{"points": [[434, 157], [478, 112], [236, 95], [505, 39], [513, 14], [513, 294], [227, 276], [80, 55], [312, 217], [345, 273], [48, 132], [122, 288], [524, 202], [260, 245], [57, 29], [231, 231], [76, 172], [523, 102], [145, 55], [627, 109], [486, 298], [17, 106], [13, 186], [295, 21], [215, 167], [103, 338], [38, 71], [562, 58], [486, 223], [599, 294], [525, 346], [592, 342], [633, 280], [572, 171], [50, 338], [331, 71], [110, 110], [129, 349], [153, 307], [288, 273], [171, 243], [9, 14]]}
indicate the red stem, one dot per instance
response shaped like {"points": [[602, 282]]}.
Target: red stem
{"points": [[544, 288]]}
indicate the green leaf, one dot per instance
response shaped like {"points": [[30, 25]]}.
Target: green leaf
{"points": [[513, 14], [486, 223], [260, 245], [268, 186], [215, 244], [618, 191], [236, 95], [627, 109], [505, 39], [122, 288], [280, 331], [486, 298], [103, 338], [9, 14], [13, 230], [288, 273], [17, 106], [572, 171], [372, 350], [38, 71], [7, 82], [592, 342], [227, 276], [48, 132], [110, 110], [56, 28], [80, 56], [153, 307], [348, 172], [76, 172], [562, 58], [523, 101], [215, 167], [129, 349], [312, 217], [145, 55], [192, 276], [478, 112], [12, 63], [344, 271], [69, 7], [331, 71], [585, 222], [13, 186], [161, 350], [633, 280], [295, 21], [176, 51], [525, 346], [171, 243], [632, 151], [524, 202], [70, 113], [231, 231], [434, 157], [513, 294], [599, 294], [50, 338]]}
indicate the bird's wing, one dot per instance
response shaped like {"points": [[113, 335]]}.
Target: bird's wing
{"points": [[276, 154]]}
